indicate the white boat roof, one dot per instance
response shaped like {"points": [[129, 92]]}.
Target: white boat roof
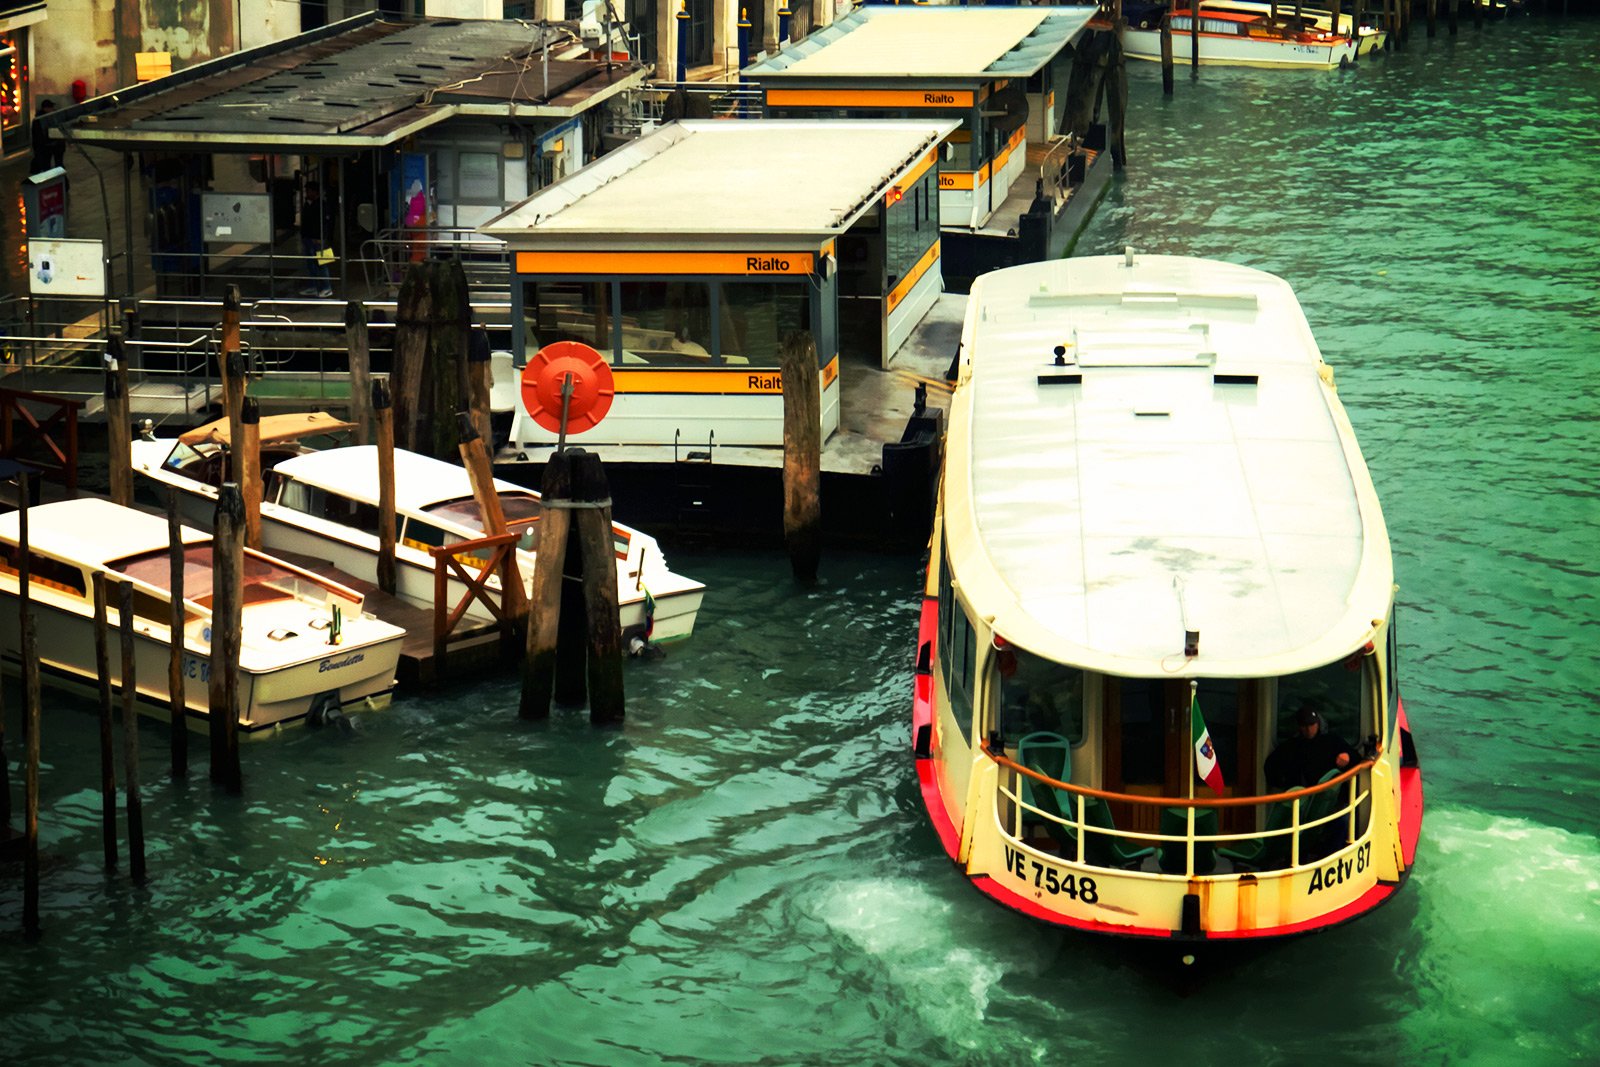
{"points": [[1200, 447], [92, 530], [974, 43], [725, 183], [419, 481]]}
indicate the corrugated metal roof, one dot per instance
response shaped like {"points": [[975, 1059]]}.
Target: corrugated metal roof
{"points": [[873, 43], [368, 81]]}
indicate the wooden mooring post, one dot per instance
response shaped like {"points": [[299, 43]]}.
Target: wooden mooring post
{"points": [[108, 758], [1433, 18], [130, 734], [30, 720], [176, 688], [119, 425], [802, 455], [226, 594], [480, 384], [358, 340], [247, 446], [576, 501], [1166, 49], [480, 472], [1194, 39], [229, 343], [383, 413]]}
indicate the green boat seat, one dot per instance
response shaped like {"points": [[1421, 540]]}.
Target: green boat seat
{"points": [[1106, 850], [1051, 755], [1264, 853]]}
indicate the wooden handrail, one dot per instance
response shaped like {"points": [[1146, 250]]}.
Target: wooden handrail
{"points": [[501, 547], [1179, 802]]}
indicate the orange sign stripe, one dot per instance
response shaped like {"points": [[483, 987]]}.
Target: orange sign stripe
{"points": [[666, 262]]}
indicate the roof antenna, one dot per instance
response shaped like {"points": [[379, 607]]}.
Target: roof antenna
{"points": [[1191, 636]]}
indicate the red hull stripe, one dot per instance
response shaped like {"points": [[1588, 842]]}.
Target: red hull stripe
{"points": [[922, 715], [1410, 801]]}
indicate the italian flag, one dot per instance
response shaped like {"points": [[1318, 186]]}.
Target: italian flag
{"points": [[1205, 757]]}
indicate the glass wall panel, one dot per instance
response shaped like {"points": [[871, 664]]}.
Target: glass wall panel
{"points": [[567, 311], [667, 323], [756, 316]]}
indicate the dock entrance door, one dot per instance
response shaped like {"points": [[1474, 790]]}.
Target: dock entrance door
{"points": [[861, 290]]}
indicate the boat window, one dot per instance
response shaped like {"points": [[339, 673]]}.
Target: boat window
{"points": [[1392, 681], [756, 316], [958, 654], [42, 570], [521, 510], [423, 535], [1038, 694], [209, 467], [667, 323], [334, 507], [1333, 690], [567, 311]]}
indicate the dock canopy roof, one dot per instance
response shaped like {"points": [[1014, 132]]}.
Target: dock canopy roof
{"points": [[361, 83], [723, 182], [876, 43]]}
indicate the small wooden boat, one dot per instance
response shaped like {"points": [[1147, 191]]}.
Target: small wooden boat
{"points": [[1159, 557], [324, 503], [306, 645], [1239, 38]]}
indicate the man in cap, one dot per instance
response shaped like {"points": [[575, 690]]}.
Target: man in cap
{"points": [[1314, 750]]}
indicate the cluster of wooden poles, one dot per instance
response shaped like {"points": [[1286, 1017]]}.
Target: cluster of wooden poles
{"points": [[573, 631]]}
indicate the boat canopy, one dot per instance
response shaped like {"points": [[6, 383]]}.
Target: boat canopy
{"points": [[274, 429], [1139, 449]]}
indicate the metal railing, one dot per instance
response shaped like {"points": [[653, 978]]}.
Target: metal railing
{"points": [[1088, 836]]}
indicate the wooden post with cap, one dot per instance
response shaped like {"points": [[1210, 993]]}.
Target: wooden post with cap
{"points": [[802, 455], [108, 760], [229, 342], [480, 385], [119, 423], [130, 734], [30, 719], [227, 554], [591, 496], [177, 693], [358, 341], [248, 449], [383, 413], [544, 601]]}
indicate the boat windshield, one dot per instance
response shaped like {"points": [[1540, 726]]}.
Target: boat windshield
{"points": [[263, 580], [207, 464], [1037, 694], [521, 511]]}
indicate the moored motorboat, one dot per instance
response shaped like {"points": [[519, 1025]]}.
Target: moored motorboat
{"points": [[306, 645], [324, 503], [1242, 38], [1369, 38], [1158, 550]]}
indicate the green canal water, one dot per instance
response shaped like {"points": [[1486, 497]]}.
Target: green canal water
{"points": [[742, 875]]}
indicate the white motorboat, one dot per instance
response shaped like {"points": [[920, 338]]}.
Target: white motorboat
{"points": [[1243, 39], [306, 644], [324, 503], [1368, 38]]}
